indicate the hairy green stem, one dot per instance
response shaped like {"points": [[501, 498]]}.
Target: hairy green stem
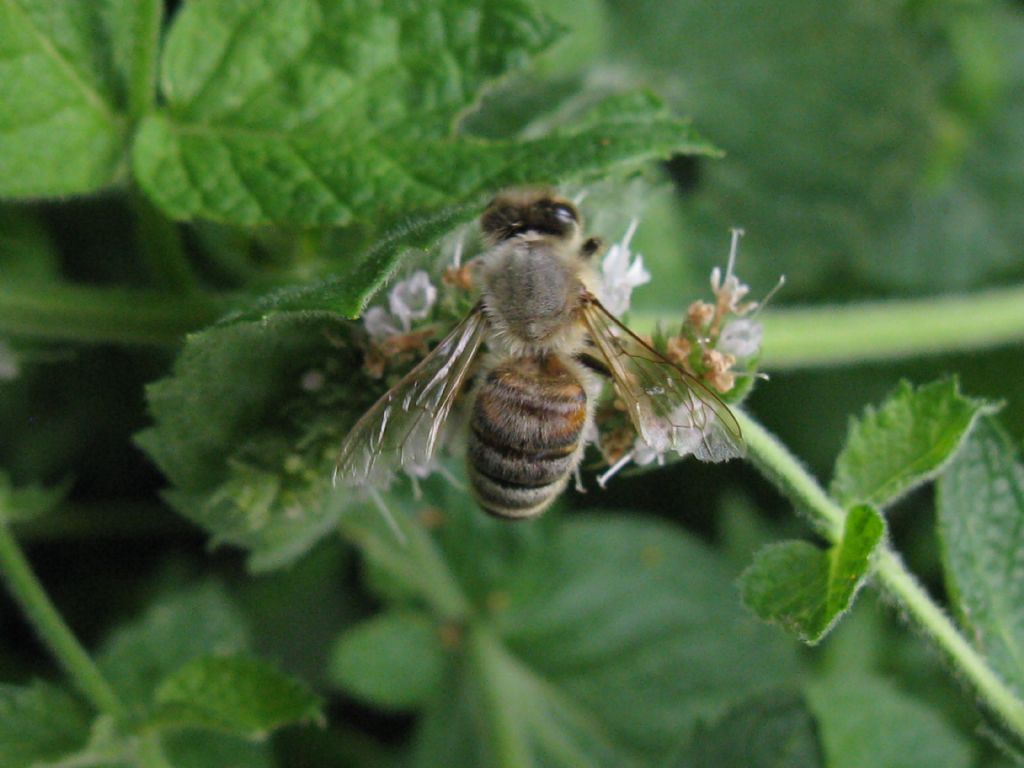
{"points": [[40, 611], [886, 330], [146, 43], [103, 315], [790, 476]]}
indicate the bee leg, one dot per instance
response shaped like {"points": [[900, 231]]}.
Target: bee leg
{"points": [[591, 246], [578, 476], [587, 360]]}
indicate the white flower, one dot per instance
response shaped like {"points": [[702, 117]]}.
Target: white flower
{"points": [[379, 324], [681, 434], [409, 299], [9, 368], [729, 291], [741, 338], [621, 273], [412, 299]]}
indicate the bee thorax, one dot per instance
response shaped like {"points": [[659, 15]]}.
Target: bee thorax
{"points": [[531, 293]]}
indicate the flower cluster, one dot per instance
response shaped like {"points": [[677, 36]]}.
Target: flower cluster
{"points": [[718, 342], [390, 331]]}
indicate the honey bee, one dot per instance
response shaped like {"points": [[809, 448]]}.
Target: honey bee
{"points": [[532, 392]]}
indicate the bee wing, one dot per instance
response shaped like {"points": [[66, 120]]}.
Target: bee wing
{"points": [[670, 409], [402, 428]]}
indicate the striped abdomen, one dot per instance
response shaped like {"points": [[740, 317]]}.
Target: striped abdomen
{"points": [[524, 441]]}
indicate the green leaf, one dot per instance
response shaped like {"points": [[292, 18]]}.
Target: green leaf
{"points": [[904, 443], [981, 528], [39, 723], [348, 117], [807, 590], [866, 722], [27, 502], [593, 641], [206, 749], [172, 633], [770, 730], [65, 70], [394, 661], [235, 694], [302, 111], [250, 454], [868, 170]]}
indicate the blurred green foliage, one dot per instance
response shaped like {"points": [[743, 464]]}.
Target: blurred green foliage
{"points": [[273, 163]]}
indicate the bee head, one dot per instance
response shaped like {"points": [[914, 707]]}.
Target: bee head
{"points": [[517, 212]]}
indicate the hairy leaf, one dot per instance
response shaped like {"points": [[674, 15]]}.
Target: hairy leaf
{"points": [[770, 730], [65, 70], [806, 589], [235, 694], [39, 723], [903, 443], [866, 722], [248, 447], [981, 527], [394, 661], [301, 112]]}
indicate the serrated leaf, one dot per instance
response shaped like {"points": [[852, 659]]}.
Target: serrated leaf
{"points": [[301, 111], [172, 633], [64, 73], [39, 723], [771, 730], [393, 661], [806, 589], [866, 722], [235, 694], [250, 454], [904, 442], [981, 528], [27, 502]]}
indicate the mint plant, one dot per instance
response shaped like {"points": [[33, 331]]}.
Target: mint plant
{"points": [[226, 228]]}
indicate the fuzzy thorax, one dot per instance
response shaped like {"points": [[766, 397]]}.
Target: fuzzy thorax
{"points": [[532, 286]]}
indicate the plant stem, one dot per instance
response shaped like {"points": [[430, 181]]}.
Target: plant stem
{"points": [[30, 595], [161, 247], [487, 657], [103, 315], [146, 37], [788, 474], [150, 752], [858, 333], [902, 585]]}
